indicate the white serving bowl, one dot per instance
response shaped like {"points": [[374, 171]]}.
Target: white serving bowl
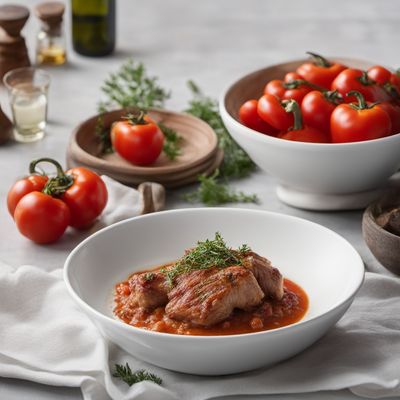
{"points": [[324, 264], [311, 168]]}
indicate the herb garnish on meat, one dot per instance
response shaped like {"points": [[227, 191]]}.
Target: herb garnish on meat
{"points": [[129, 377], [207, 254]]}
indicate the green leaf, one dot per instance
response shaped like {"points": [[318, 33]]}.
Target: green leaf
{"points": [[125, 373]]}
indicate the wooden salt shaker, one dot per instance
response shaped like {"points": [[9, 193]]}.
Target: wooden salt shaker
{"points": [[13, 51]]}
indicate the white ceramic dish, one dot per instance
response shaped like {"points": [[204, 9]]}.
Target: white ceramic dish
{"points": [[309, 171], [324, 264]]}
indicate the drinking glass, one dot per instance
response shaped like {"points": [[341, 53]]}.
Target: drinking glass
{"points": [[27, 88]]}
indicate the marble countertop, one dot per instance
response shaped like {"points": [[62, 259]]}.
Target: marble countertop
{"points": [[212, 43]]}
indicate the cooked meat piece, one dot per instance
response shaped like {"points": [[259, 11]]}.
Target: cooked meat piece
{"points": [[206, 297], [148, 290], [268, 277]]}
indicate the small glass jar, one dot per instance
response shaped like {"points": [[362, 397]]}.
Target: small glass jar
{"points": [[50, 46]]}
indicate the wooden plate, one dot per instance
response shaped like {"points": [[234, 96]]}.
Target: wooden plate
{"points": [[199, 144], [167, 181]]}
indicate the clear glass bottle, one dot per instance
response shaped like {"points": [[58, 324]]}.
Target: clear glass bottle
{"points": [[50, 46]]}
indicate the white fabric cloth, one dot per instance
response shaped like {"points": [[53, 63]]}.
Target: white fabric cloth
{"points": [[44, 337]]}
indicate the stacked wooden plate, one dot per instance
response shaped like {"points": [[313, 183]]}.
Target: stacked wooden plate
{"points": [[199, 151]]}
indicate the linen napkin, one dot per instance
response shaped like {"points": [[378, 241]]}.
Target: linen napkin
{"points": [[47, 339]]}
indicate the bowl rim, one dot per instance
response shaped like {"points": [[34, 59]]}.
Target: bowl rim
{"points": [[170, 336], [273, 139]]}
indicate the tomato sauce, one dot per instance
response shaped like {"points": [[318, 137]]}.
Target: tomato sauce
{"points": [[270, 314]]}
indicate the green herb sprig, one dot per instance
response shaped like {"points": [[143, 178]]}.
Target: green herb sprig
{"points": [[236, 164], [207, 254], [212, 192], [125, 373], [131, 86], [172, 144]]}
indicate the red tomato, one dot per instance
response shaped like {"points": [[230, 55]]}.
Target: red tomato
{"points": [[320, 71], [138, 140], [395, 79], [355, 79], [41, 218], [295, 89], [393, 110], [248, 116], [22, 187], [86, 198], [359, 122], [317, 108], [379, 74], [292, 76], [275, 87], [271, 110], [300, 132], [306, 134]]}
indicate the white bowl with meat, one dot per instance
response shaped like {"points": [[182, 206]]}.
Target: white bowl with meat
{"points": [[214, 291]]}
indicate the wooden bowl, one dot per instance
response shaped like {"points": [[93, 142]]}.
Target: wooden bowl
{"points": [[384, 245], [199, 146]]}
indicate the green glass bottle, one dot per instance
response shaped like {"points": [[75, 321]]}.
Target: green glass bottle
{"points": [[93, 27]]}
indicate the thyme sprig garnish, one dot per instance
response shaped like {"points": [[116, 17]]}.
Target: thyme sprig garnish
{"points": [[236, 164], [212, 192], [172, 144], [207, 254], [125, 373], [131, 86]]}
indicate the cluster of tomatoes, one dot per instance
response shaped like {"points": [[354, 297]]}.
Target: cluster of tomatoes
{"points": [[327, 102], [137, 139], [43, 207]]}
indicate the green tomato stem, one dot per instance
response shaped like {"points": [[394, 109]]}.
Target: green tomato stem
{"points": [[293, 107], [59, 184], [319, 60]]}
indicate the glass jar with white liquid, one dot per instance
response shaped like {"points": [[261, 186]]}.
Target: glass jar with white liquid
{"points": [[28, 88]]}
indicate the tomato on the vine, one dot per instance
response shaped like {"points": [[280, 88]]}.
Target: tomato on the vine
{"points": [[138, 139], [292, 76], [320, 71], [358, 122], [43, 207], [272, 110], [248, 116], [354, 79], [317, 108], [300, 132]]}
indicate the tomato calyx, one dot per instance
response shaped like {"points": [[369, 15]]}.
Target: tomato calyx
{"points": [[333, 96], [292, 106], [392, 90], [295, 84], [365, 80], [57, 185], [318, 60], [136, 119], [362, 104]]}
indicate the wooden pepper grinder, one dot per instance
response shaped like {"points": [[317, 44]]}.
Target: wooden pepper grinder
{"points": [[13, 51], [6, 127]]}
